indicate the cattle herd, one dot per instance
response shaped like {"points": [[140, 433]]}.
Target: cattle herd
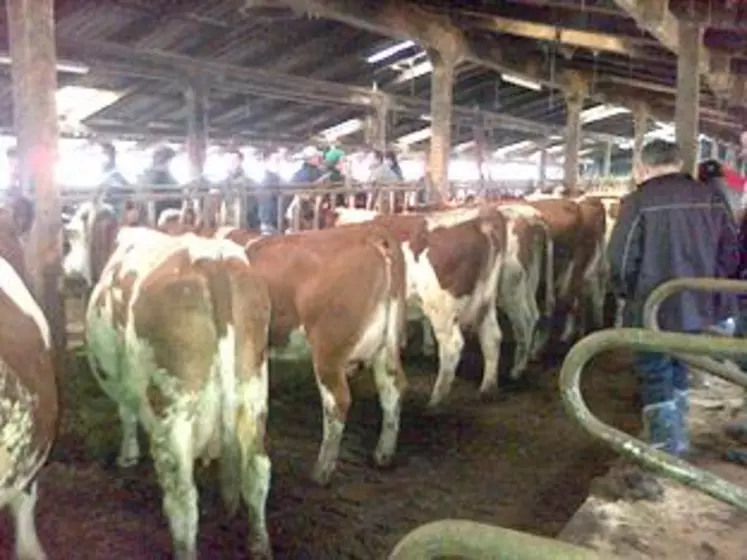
{"points": [[182, 319]]}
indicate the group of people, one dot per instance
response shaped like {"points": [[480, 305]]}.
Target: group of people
{"points": [[318, 167], [675, 225]]}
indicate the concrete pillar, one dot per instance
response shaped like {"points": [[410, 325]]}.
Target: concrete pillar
{"points": [[196, 96], [607, 165], [442, 93], [542, 182], [376, 125], [688, 92], [574, 103], [34, 74]]}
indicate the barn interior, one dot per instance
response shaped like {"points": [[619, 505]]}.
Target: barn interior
{"points": [[570, 89]]}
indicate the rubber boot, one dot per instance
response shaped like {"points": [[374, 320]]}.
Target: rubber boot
{"points": [[681, 438], [661, 425]]}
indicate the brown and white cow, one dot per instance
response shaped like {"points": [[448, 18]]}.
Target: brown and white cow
{"points": [[339, 295], [177, 335], [28, 390], [454, 261], [579, 264], [530, 253]]}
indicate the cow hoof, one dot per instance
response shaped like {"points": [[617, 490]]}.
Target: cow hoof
{"points": [[321, 476], [260, 551], [127, 462], [383, 460]]}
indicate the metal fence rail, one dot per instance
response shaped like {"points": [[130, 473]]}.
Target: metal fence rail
{"points": [[728, 371], [452, 538], [628, 446]]}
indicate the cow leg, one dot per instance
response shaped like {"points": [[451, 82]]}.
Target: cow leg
{"points": [[23, 508], [129, 452], [450, 344], [335, 393], [390, 383], [256, 471], [490, 336], [173, 459], [515, 300], [429, 343]]}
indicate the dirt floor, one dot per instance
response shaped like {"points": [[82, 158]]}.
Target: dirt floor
{"points": [[517, 461], [686, 524]]}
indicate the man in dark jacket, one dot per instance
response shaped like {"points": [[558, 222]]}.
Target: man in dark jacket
{"points": [[671, 227]]}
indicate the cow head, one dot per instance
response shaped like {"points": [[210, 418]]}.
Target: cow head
{"points": [[91, 235]]}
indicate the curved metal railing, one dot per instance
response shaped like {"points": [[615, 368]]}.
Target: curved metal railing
{"points": [[452, 538], [728, 370], [633, 448], [475, 540]]}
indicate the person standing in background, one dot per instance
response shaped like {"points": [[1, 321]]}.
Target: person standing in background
{"points": [[159, 175], [113, 185]]}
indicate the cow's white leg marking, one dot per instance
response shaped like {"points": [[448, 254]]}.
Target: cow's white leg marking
{"points": [[490, 335], [333, 428], [129, 452], [516, 301], [173, 460], [450, 343], [28, 546], [390, 398], [256, 466], [429, 342]]}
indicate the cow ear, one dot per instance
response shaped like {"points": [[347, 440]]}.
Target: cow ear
{"points": [[23, 215]]}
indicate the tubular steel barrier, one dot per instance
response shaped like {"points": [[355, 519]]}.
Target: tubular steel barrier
{"points": [[474, 540], [728, 371], [452, 538], [626, 445]]}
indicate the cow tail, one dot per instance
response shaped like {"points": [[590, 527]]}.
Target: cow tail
{"points": [[221, 297], [395, 290], [549, 273]]}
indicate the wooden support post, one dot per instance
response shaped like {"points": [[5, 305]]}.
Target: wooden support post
{"points": [[607, 166], [575, 104], [478, 136], [376, 125], [688, 92], [640, 127], [542, 179], [197, 128], [34, 74], [442, 94]]}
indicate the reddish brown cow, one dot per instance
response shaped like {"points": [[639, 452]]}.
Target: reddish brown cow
{"points": [[28, 388], [340, 294], [177, 335], [454, 262]]}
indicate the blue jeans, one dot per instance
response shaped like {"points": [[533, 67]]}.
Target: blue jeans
{"points": [[660, 375]]}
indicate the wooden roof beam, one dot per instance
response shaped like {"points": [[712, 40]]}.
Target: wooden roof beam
{"points": [[402, 19], [655, 17], [590, 40]]}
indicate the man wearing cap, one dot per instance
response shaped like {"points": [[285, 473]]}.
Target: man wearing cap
{"points": [[672, 226]]}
